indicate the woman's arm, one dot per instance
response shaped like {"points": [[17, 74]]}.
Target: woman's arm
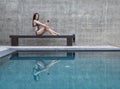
{"points": [[41, 24]]}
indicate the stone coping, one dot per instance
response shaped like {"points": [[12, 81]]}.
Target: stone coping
{"points": [[5, 50]]}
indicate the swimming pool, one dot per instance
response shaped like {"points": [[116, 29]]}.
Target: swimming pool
{"points": [[84, 70]]}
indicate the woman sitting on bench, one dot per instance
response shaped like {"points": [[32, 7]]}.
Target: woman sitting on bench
{"points": [[41, 28]]}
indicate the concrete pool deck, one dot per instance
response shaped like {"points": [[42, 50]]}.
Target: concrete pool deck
{"points": [[5, 50]]}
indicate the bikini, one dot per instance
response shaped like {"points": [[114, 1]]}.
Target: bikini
{"points": [[38, 28]]}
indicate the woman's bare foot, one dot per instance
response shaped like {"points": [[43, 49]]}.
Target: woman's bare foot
{"points": [[57, 33], [54, 34]]}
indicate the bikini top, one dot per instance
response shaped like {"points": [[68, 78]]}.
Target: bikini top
{"points": [[37, 25]]}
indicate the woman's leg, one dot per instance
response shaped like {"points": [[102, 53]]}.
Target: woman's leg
{"points": [[41, 31], [51, 31]]}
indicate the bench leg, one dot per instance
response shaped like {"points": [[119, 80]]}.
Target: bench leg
{"points": [[69, 41], [14, 41], [73, 37]]}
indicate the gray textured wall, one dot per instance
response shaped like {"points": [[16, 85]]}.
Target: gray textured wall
{"points": [[95, 22]]}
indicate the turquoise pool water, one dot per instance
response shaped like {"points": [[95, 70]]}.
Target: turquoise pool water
{"points": [[87, 70]]}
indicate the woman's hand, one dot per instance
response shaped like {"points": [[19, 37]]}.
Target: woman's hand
{"points": [[47, 22]]}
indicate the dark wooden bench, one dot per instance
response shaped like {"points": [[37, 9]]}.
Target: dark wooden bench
{"points": [[15, 41]]}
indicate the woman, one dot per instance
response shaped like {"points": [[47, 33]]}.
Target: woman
{"points": [[41, 28]]}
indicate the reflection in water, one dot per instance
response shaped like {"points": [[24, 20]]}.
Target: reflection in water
{"points": [[40, 67]]}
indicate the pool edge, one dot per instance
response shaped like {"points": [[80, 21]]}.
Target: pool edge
{"points": [[6, 50]]}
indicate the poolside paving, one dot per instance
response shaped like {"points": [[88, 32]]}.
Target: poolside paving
{"points": [[75, 48], [5, 50]]}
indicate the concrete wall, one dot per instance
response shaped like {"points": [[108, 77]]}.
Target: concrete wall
{"points": [[94, 22]]}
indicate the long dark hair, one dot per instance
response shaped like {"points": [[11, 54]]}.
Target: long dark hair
{"points": [[34, 17]]}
